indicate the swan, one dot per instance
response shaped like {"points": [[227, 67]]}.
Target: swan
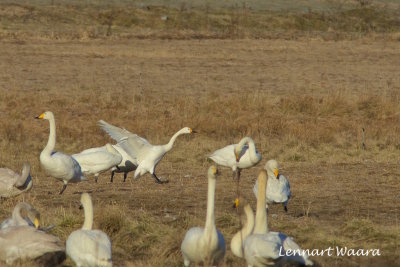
{"points": [[125, 166], [16, 219], [13, 184], [238, 239], [146, 156], [237, 156], [57, 164], [278, 187], [205, 244], [264, 248], [96, 162], [87, 247]]}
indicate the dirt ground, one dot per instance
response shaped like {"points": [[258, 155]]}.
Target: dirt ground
{"points": [[342, 195]]}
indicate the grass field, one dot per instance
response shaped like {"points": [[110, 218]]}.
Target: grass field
{"points": [[304, 100]]}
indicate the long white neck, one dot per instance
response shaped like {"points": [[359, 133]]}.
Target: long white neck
{"points": [[51, 143], [261, 225], [16, 214], [210, 218], [252, 149], [88, 208], [24, 175], [171, 142], [239, 237]]}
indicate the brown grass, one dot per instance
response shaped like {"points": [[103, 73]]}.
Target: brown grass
{"points": [[304, 102]]}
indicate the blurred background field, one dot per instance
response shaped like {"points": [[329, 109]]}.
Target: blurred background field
{"points": [[303, 80]]}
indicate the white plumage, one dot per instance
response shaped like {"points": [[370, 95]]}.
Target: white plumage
{"points": [[206, 244], [16, 219], [96, 160], [87, 247], [13, 184], [278, 187], [237, 156], [145, 156], [56, 164]]}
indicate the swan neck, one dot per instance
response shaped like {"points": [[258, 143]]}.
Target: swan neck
{"points": [[52, 137], [210, 218], [239, 238], [88, 209], [261, 224], [24, 175], [171, 142], [252, 148], [16, 214]]}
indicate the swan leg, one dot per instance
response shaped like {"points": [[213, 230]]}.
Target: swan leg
{"points": [[285, 208], [95, 178], [158, 181], [125, 175], [62, 189], [112, 176]]}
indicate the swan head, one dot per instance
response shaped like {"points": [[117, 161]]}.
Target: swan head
{"points": [[187, 130], [212, 172], [45, 116], [272, 168]]}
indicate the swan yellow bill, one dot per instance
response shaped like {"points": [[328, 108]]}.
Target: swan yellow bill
{"points": [[276, 173], [41, 116], [36, 223]]}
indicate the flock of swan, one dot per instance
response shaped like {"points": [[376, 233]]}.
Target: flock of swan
{"points": [[21, 237]]}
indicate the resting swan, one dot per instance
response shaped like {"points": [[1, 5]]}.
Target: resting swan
{"points": [[87, 247], [206, 244], [57, 164], [278, 187], [264, 248], [237, 156], [16, 219], [145, 155], [13, 184], [94, 161]]}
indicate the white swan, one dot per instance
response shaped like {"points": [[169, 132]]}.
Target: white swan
{"points": [[87, 247], [95, 161], [125, 166], [237, 156], [145, 155], [16, 219], [57, 164], [278, 187], [264, 248], [13, 184], [205, 244], [237, 242]]}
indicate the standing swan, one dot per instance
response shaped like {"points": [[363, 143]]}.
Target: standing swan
{"points": [[266, 248], [237, 156], [278, 187], [57, 164], [94, 161], [205, 244], [87, 247], [146, 156], [13, 184], [32, 219]]}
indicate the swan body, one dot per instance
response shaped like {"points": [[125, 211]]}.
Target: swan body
{"points": [[87, 247], [96, 162], [13, 184], [263, 248], [56, 164], [206, 244], [237, 156], [278, 187], [145, 156]]}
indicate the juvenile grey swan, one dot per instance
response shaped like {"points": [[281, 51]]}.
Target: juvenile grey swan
{"points": [[13, 184]]}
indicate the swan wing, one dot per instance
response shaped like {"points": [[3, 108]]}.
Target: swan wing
{"points": [[224, 156], [97, 161], [261, 249], [136, 148]]}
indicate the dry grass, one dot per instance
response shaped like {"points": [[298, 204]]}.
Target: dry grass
{"points": [[304, 102]]}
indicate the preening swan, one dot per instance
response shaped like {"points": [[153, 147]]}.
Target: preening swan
{"points": [[94, 161], [145, 155], [206, 244], [278, 187], [16, 219], [263, 248], [13, 184], [237, 156], [57, 164], [87, 247], [237, 242]]}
